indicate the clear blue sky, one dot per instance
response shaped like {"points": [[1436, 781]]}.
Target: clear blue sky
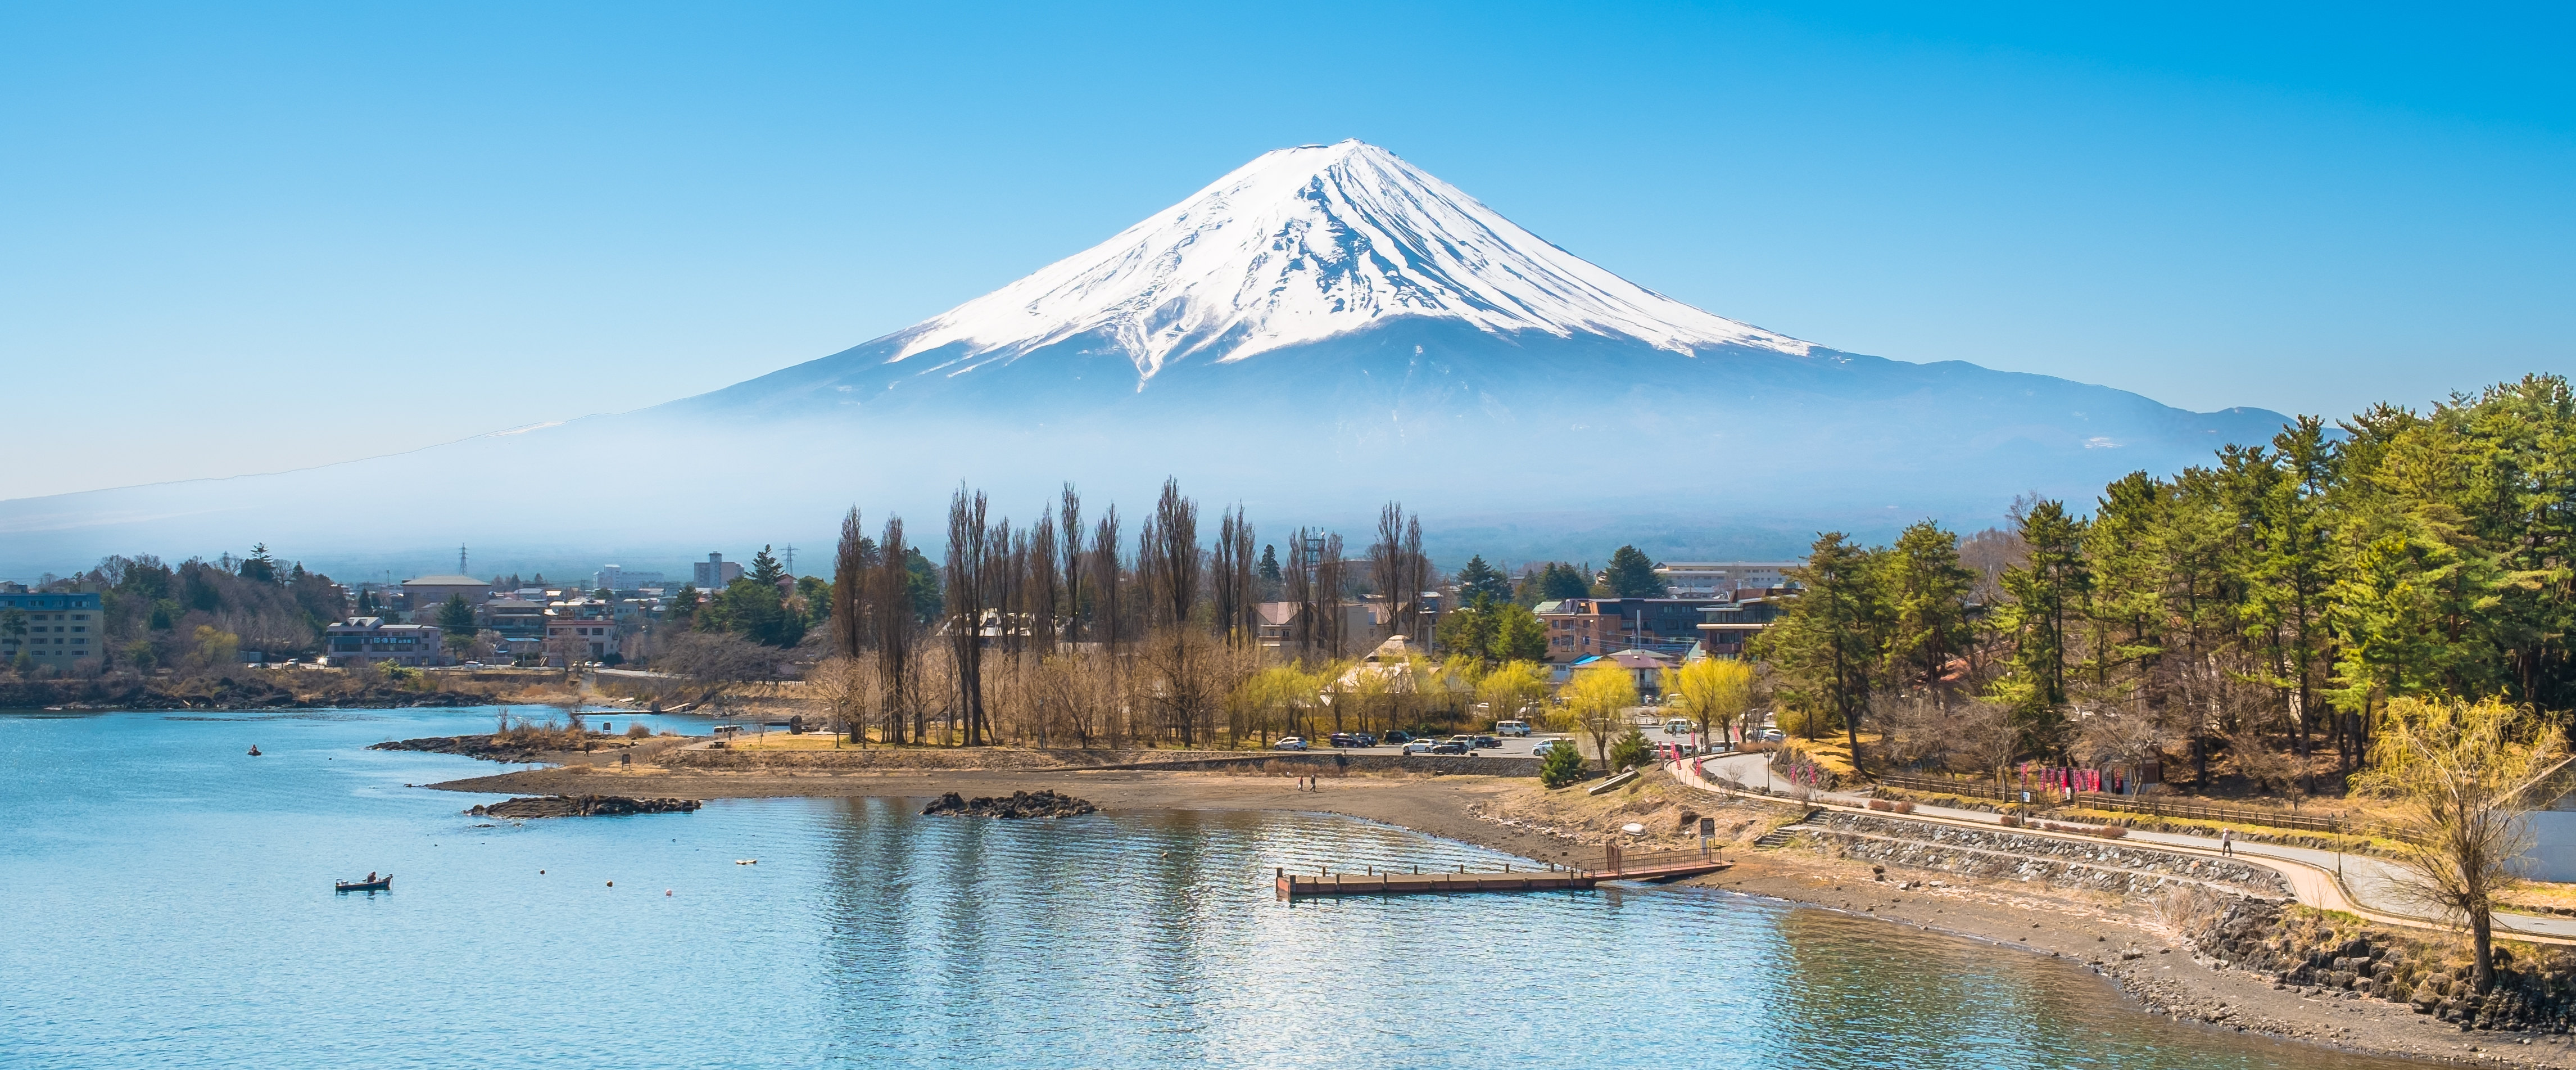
{"points": [[246, 237]]}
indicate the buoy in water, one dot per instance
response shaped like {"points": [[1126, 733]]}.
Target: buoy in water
{"points": [[612, 884]]}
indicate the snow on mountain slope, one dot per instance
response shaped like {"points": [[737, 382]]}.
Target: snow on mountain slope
{"points": [[1304, 244]]}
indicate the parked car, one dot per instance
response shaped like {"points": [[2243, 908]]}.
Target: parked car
{"points": [[1342, 739], [1511, 728], [1545, 745], [1289, 743], [1394, 737], [1448, 746], [1363, 739], [1773, 735], [1419, 746], [1677, 727], [1488, 743]]}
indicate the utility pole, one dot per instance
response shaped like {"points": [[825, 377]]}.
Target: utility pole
{"points": [[460, 560], [791, 559]]}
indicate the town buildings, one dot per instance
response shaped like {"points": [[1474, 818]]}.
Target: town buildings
{"points": [[1579, 628], [63, 630], [359, 642]]}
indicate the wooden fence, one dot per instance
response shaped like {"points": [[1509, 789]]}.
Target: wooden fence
{"points": [[2149, 805], [1971, 787]]}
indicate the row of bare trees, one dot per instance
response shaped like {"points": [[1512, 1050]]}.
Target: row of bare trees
{"points": [[1059, 632]]}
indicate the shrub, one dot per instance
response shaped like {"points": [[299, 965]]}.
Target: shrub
{"points": [[1632, 750], [638, 731], [1562, 766], [1807, 724]]}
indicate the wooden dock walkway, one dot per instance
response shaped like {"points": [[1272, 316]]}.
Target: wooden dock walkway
{"points": [[1616, 865]]}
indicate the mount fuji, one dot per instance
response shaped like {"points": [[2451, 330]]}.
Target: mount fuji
{"points": [[1320, 330]]}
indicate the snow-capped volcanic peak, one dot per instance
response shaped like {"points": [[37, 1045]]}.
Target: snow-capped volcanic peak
{"points": [[1310, 242]]}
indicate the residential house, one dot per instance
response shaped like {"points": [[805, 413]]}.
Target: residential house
{"points": [[1278, 624], [1647, 665], [580, 629]]}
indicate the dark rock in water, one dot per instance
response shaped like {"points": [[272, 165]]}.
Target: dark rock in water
{"points": [[583, 806], [1021, 804]]}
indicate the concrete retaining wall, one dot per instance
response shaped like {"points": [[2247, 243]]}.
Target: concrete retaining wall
{"points": [[2109, 865]]}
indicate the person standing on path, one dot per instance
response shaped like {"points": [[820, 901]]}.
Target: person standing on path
{"points": [[2227, 841]]}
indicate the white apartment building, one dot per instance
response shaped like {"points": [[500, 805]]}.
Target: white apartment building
{"points": [[1712, 579], [617, 578]]}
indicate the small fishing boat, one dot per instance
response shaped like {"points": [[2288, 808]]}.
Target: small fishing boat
{"points": [[380, 884]]}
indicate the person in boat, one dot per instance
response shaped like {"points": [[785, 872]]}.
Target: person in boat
{"points": [[254, 750], [371, 877]]}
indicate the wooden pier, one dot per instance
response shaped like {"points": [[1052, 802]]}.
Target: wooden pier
{"points": [[1616, 866]]}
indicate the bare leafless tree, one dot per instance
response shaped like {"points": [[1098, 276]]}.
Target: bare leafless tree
{"points": [[1068, 522], [1298, 583], [1232, 569], [1045, 606], [967, 590], [1108, 579], [890, 597], [849, 575], [1327, 606]]}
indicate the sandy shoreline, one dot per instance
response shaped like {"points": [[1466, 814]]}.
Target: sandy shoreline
{"points": [[2120, 939]]}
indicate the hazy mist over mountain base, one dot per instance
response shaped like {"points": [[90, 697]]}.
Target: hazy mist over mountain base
{"points": [[1515, 447]]}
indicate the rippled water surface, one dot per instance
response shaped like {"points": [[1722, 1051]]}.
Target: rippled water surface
{"points": [[169, 904]]}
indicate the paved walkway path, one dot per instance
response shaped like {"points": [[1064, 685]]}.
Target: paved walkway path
{"points": [[2359, 884]]}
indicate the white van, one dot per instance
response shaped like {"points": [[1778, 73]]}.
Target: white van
{"points": [[1511, 728], [1678, 726]]}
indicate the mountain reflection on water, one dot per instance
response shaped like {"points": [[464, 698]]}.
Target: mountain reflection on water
{"points": [[171, 906]]}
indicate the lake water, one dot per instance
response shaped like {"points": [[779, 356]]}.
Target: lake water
{"points": [[169, 904]]}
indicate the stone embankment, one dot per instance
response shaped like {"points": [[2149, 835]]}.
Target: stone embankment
{"points": [[2323, 953], [582, 806], [2114, 866]]}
